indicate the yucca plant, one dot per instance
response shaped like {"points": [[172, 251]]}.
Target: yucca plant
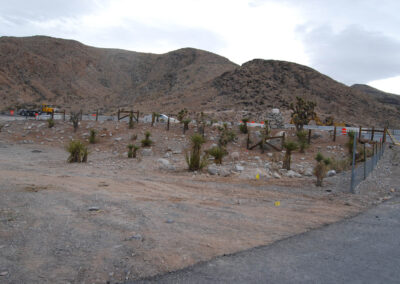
{"points": [[147, 142], [131, 123], [50, 122], [289, 146], [132, 149], [321, 168], [218, 153], [75, 120], [302, 140], [92, 136], [78, 152], [194, 159]]}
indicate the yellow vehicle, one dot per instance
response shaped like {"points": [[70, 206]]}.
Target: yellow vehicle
{"points": [[47, 109]]}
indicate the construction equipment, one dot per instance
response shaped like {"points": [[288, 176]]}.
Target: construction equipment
{"points": [[48, 109]]}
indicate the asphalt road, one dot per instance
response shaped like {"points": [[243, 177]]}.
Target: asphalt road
{"points": [[364, 249]]}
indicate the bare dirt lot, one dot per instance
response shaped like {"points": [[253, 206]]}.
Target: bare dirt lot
{"points": [[115, 219]]}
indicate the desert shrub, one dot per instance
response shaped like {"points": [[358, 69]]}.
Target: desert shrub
{"points": [[92, 136], [78, 152], [194, 159], [186, 124], [132, 149], [226, 135], [243, 126], [321, 168], [302, 140], [182, 114], [147, 142], [218, 153], [289, 146], [50, 122], [134, 137], [74, 118], [1, 126]]}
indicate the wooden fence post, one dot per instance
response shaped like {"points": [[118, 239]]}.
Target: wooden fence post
{"points": [[373, 133], [384, 134], [309, 137], [119, 112], [283, 140], [359, 133], [334, 134], [137, 120], [81, 114], [168, 124], [64, 115], [97, 115], [248, 140]]}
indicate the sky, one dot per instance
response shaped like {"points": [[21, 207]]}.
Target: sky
{"points": [[352, 41]]}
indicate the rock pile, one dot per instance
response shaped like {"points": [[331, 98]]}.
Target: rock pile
{"points": [[275, 119]]}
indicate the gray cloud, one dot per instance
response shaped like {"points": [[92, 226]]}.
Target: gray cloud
{"points": [[353, 55]]}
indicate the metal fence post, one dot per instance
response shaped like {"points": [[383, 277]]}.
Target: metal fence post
{"points": [[353, 163], [365, 163]]}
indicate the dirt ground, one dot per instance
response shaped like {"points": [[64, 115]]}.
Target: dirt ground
{"points": [[116, 219]]}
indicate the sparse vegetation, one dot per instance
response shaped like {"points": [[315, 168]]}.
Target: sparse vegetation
{"points": [[134, 137], [50, 122], [78, 152], [186, 124], [303, 112], [226, 136], [289, 146], [74, 118], [243, 126], [147, 142], [321, 168], [302, 140], [92, 136], [132, 149], [340, 165], [194, 159], [218, 153], [182, 114]]}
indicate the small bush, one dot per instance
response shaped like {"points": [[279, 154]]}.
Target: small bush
{"points": [[218, 153], [147, 142], [78, 152], [226, 136], [132, 149], [340, 165], [50, 122], [193, 159], [134, 137], [92, 136], [75, 120]]}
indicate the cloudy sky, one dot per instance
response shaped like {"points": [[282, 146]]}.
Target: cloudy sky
{"points": [[352, 41]]}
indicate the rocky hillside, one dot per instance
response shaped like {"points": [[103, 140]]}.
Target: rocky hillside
{"points": [[72, 75], [67, 73]]}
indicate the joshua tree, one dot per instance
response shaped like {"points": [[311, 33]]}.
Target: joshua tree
{"points": [[193, 159], [302, 113], [75, 120], [302, 139], [243, 126], [290, 146], [226, 136], [321, 168], [186, 124]]}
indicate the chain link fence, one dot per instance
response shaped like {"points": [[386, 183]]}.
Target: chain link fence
{"points": [[362, 165]]}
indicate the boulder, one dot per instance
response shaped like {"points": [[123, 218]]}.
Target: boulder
{"points": [[235, 156], [164, 164], [308, 172], [147, 152], [224, 172], [276, 175], [239, 168], [212, 170], [292, 174], [331, 173]]}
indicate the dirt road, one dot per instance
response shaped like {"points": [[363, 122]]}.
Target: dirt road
{"points": [[114, 220]]}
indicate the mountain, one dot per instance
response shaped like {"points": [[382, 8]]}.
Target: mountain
{"points": [[67, 73], [72, 75]]}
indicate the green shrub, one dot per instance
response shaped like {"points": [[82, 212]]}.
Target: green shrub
{"points": [[50, 122], [226, 135], [132, 149], [147, 142], [78, 152], [193, 158], [218, 153], [340, 165], [92, 136]]}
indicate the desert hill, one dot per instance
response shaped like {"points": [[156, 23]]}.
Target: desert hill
{"points": [[72, 75]]}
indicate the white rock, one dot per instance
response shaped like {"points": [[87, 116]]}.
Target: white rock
{"points": [[331, 173], [164, 164], [292, 174], [275, 110], [308, 172], [118, 139], [239, 168], [276, 175], [212, 170], [235, 156], [224, 172], [146, 152]]}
